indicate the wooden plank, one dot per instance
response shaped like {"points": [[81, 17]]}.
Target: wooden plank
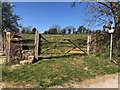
{"points": [[44, 39], [21, 44], [39, 46], [4, 42], [88, 45], [66, 46], [36, 44], [16, 39], [49, 57], [55, 43], [7, 48], [70, 49], [75, 39]]}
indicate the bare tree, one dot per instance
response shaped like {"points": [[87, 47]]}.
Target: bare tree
{"points": [[101, 13], [27, 29], [56, 26]]}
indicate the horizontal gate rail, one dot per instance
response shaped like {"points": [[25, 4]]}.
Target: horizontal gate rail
{"points": [[49, 57], [25, 44]]}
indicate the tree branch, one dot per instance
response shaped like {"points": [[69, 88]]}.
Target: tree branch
{"points": [[105, 4]]}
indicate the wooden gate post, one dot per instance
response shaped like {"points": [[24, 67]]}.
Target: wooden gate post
{"points": [[36, 44], [7, 47], [39, 48], [88, 45]]}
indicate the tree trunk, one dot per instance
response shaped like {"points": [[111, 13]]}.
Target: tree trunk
{"points": [[116, 19], [116, 15]]}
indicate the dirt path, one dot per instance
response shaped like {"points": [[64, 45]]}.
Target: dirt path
{"points": [[106, 81]]}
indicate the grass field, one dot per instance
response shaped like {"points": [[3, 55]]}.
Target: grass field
{"points": [[58, 71]]}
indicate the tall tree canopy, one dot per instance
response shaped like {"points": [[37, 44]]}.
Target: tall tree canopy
{"points": [[101, 13], [9, 20]]}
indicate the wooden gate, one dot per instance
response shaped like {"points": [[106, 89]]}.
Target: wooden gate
{"points": [[62, 45]]}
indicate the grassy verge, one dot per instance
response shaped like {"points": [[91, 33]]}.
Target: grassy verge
{"points": [[51, 72]]}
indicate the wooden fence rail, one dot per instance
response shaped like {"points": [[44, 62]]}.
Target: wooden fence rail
{"points": [[32, 45]]}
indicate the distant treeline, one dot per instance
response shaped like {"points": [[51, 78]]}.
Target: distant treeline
{"points": [[55, 29], [70, 30], [28, 30]]}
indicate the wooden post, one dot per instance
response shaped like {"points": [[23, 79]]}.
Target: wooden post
{"points": [[39, 48], [36, 44], [88, 45], [4, 42], [95, 43], [7, 47]]}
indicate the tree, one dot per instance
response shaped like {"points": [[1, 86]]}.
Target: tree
{"points": [[52, 31], [33, 30], [87, 31], [23, 30], [90, 31], [69, 31], [9, 20], [69, 28], [27, 29], [102, 13], [84, 30], [63, 31], [45, 32], [80, 29], [74, 30], [56, 26]]}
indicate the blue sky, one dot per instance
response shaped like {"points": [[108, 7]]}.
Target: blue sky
{"points": [[42, 15]]}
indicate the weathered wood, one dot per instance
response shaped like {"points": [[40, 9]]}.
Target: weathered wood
{"points": [[16, 39], [7, 48], [39, 46], [54, 45], [88, 45], [36, 44], [76, 45], [44, 39], [21, 44], [4, 42], [49, 57], [75, 39], [56, 42], [94, 48], [70, 49]]}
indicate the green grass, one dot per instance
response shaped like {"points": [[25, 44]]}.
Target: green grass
{"points": [[51, 72], [28, 38]]}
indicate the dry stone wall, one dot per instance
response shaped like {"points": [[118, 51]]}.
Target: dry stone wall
{"points": [[26, 54], [15, 50]]}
